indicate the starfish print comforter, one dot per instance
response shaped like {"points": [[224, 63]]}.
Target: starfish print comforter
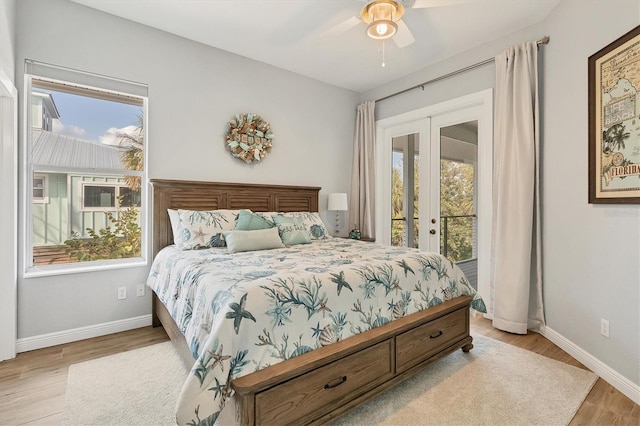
{"points": [[241, 312]]}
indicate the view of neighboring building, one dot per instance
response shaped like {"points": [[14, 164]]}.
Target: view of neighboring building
{"points": [[65, 202]]}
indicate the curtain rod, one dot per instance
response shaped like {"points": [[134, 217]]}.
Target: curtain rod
{"points": [[543, 40]]}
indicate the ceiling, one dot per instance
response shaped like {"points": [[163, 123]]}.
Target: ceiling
{"points": [[305, 36]]}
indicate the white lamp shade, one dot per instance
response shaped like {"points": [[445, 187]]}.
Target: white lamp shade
{"points": [[338, 202]]}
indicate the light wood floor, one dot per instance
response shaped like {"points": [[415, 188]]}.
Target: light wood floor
{"points": [[32, 386]]}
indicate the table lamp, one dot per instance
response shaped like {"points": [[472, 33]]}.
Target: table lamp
{"points": [[338, 203]]}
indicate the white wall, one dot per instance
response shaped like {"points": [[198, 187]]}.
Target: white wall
{"points": [[591, 254], [193, 91]]}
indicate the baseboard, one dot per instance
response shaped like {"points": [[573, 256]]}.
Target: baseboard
{"points": [[608, 374], [75, 334]]}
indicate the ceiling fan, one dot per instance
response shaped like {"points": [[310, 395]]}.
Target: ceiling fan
{"points": [[384, 19]]}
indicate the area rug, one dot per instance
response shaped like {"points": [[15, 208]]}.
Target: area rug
{"points": [[138, 387], [494, 384]]}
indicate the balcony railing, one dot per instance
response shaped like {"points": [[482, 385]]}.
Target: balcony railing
{"points": [[468, 251]]}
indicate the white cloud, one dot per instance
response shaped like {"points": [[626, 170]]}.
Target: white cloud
{"points": [[113, 135], [68, 130]]}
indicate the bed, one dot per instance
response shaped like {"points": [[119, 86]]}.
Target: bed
{"points": [[299, 334]]}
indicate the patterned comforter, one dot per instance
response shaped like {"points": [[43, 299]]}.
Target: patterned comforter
{"points": [[241, 312]]}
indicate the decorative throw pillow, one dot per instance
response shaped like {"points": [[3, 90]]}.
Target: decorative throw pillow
{"points": [[292, 230], [249, 221], [203, 229], [261, 239], [268, 216], [313, 223]]}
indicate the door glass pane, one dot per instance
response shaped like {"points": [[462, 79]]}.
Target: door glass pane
{"points": [[458, 195], [404, 191], [456, 210]]}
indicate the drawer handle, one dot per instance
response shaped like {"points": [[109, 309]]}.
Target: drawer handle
{"points": [[438, 334], [337, 383]]}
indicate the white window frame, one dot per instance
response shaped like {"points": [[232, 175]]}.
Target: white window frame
{"points": [[45, 189], [90, 82]]}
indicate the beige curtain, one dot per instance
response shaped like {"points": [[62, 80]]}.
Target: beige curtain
{"points": [[516, 272], [362, 200]]}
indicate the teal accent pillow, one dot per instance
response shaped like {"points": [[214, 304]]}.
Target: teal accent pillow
{"points": [[268, 216], [249, 221], [260, 239], [292, 230]]}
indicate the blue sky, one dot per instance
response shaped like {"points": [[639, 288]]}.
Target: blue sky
{"points": [[397, 159], [90, 119]]}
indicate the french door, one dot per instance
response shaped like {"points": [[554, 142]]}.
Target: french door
{"points": [[407, 143], [434, 173]]}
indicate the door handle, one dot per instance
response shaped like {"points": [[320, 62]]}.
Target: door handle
{"points": [[432, 231]]}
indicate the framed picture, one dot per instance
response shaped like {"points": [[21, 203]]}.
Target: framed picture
{"points": [[614, 122]]}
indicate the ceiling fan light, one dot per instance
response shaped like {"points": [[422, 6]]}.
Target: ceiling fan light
{"points": [[381, 30], [382, 15], [382, 10]]}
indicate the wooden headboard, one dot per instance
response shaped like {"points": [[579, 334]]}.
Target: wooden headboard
{"points": [[194, 195]]}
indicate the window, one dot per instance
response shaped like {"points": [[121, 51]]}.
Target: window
{"points": [[99, 196], [40, 189], [86, 149], [108, 197]]}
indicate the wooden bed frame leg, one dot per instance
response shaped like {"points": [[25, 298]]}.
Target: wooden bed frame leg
{"points": [[155, 320]]}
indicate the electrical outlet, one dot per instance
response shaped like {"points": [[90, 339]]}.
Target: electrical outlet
{"points": [[140, 290], [604, 327], [122, 293]]}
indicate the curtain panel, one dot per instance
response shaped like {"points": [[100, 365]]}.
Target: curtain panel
{"points": [[516, 269], [362, 202]]}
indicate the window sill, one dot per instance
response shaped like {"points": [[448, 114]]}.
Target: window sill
{"points": [[84, 267]]}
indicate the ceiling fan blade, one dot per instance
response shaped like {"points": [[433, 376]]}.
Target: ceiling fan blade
{"points": [[420, 4], [342, 27], [403, 37]]}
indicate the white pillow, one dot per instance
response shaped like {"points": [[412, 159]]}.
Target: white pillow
{"points": [[261, 239], [312, 222], [203, 229]]}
